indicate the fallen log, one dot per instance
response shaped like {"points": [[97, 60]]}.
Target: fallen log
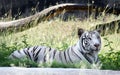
{"points": [[108, 28], [47, 14], [43, 15]]}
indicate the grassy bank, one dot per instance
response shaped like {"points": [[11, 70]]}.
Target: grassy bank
{"points": [[58, 34]]}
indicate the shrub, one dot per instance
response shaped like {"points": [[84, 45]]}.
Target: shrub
{"points": [[6, 50], [111, 59]]}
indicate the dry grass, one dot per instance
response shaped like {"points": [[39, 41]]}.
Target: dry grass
{"points": [[56, 32]]}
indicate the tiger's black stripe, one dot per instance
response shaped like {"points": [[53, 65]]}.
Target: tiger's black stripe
{"points": [[50, 49], [85, 55], [29, 54], [36, 55], [65, 56], [25, 52], [69, 55], [46, 53], [35, 59], [54, 52], [97, 60], [14, 56], [19, 51], [75, 54], [44, 58], [60, 56], [34, 49], [82, 43]]}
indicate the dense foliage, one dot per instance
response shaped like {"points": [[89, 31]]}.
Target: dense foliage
{"points": [[109, 60], [60, 35]]}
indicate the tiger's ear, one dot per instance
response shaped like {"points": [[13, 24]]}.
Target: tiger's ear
{"points": [[98, 30], [80, 32]]}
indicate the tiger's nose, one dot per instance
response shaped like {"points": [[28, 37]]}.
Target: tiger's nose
{"points": [[96, 45]]}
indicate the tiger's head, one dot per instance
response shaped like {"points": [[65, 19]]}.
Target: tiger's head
{"points": [[90, 40]]}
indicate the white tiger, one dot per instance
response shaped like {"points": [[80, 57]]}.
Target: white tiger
{"points": [[86, 49]]}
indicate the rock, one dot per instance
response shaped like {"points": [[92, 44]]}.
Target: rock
{"points": [[54, 71]]}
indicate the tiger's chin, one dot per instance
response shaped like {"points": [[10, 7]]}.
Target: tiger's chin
{"points": [[96, 48]]}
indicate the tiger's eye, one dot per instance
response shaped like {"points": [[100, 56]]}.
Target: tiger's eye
{"points": [[89, 38], [85, 42], [98, 37]]}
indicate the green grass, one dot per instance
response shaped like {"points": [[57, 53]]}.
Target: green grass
{"points": [[56, 34]]}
